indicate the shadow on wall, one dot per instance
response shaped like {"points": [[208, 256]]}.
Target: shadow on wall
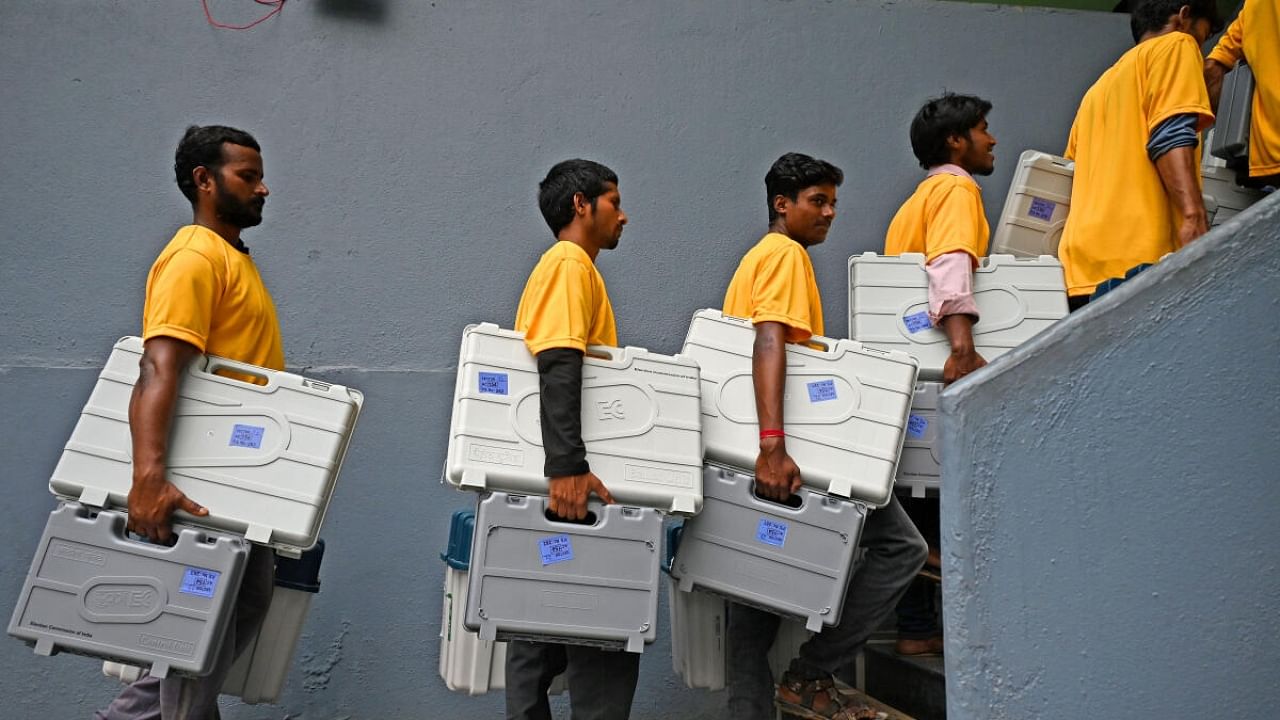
{"points": [[370, 11]]}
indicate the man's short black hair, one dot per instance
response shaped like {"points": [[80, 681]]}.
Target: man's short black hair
{"points": [[202, 146], [794, 172], [1151, 15], [566, 179], [941, 119]]}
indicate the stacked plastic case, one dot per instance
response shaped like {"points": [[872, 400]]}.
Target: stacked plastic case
{"points": [[1035, 210], [1219, 185], [92, 591], [845, 406], [259, 673], [467, 663], [260, 449], [532, 575], [920, 467], [263, 459], [889, 305], [699, 631]]}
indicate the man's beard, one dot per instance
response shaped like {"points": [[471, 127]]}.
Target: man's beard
{"points": [[237, 213]]}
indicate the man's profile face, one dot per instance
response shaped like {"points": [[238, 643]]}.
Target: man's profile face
{"points": [[240, 190], [607, 219], [808, 218], [977, 157]]}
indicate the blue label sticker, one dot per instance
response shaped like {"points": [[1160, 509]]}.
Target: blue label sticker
{"points": [[917, 322], [916, 425], [1041, 209], [246, 436], [554, 549], [493, 383], [197, 581], [771, 532], [822, 391]]}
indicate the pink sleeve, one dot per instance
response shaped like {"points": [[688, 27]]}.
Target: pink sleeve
{"points": [[951, 286]]}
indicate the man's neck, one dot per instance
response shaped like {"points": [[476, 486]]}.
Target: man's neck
{"points": [[227, 232], [1158, 33], [777, 226], [210, 219], [573, 234], [950, 168]]}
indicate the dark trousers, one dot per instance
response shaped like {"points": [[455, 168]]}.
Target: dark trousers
{"points": [[181, 698], [918, 609], [895, 552], [601, 682]]}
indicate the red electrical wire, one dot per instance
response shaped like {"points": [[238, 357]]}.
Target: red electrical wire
{"points": [[277, 6]]}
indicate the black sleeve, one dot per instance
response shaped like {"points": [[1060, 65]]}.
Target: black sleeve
{"points": [[560, 386]]}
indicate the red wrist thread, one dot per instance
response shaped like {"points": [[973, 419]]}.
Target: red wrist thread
{"points": [[771, 434]]}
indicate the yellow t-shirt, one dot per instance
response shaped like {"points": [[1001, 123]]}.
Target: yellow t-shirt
{"points": [[1121, 215], [1255, 36], [943, 215], [775, 283], [564, 304], [205, 292]]}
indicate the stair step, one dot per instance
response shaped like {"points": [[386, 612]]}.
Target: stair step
{"points": [[918, 685], [857, 697]]}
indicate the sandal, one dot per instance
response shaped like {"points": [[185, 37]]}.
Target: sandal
{"points": [[818, 700]]}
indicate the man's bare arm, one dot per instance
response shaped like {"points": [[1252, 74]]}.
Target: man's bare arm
{"points": [[776, 473], [1178, 171], [152, 498]]}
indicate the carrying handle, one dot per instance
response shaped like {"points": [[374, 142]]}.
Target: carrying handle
{"points": [[826, 343], [794, 501], [215, 364], [604, 352], [589, 520]]}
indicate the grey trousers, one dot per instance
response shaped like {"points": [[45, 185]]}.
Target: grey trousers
{"points": [[178, 698], [895, 552], [601, 682]]}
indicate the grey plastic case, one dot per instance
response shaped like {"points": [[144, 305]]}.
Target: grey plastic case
{"points": [[91, 591], [537, 579], [1231, 128], [793, 561], [920, 467]]}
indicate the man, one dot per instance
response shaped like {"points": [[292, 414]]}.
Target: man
{"points": [[1254, 36], [565, 308], [204, 295], [1136, 193], [944, 220], [775, 288]]}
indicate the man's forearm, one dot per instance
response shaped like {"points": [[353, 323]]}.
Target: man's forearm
{"points": [[560, 389], [151, 412], [769, 373], [1178, 172], [1214, 72], [959, 332]]}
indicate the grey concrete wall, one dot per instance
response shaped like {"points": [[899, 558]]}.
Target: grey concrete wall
{"points": [[403, 142], [1112, 500]]}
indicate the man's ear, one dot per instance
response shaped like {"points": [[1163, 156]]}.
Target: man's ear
{"points": [[956, 142], [780, 203], [203, 178], [580, 204]]}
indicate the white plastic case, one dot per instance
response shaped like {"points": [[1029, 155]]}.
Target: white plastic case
{"points": [[1219, 183], [844, 409], [640, 422], [889, 305], [262, 458], [1035, 210], [920, 468]]}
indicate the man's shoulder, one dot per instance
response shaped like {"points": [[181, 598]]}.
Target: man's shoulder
{"points": [[198, 240]]}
